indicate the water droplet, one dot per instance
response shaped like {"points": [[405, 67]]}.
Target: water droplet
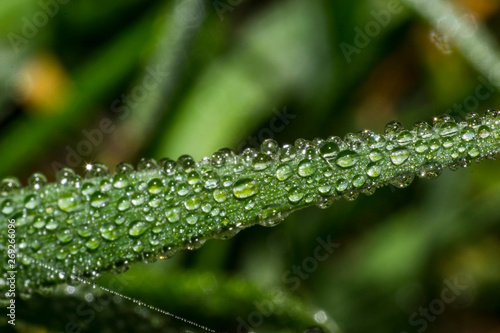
{"points": [[421, 146], [96, 170], [284, 172], [220, 195], [68, 202], [287, 153], [440, 120], [37, 180], [109, 232], [137, 199], [245, 188], [329, 150], [123, 204], [211, 180], [99, 200], [192, 203], [270, 215], [138, 228], [375, 140], [402, 181], [173, 214], [393, 128], [121, 181], [147, 164], [359, 181], [124, 168], [138, 246], [306, 168], [404, 138], [373, 170], [295, 195], [186, 162], [483, 132], [218, 159], [375, 155], [430, 170], [31, 202], [423, 129], [93, 243], [347, 159], [65, 235], [155, 186], [7, 207], [269, 147], [84, 231], [400, 156], [447, 142], [192, 219], [473, 152], [448, 128], [65, 176], [467, 133], [39, 222], [472, 118], [169, 166], [51, 224], [261, 161]]}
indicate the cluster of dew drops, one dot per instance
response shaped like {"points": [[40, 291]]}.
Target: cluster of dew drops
{"points": [[188, 198]]}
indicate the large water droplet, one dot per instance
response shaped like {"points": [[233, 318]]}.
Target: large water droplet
{"points": [[404, 138], [138, 228], [211, 180], [37, 180], [373, 170], [192, 203], [430, 170], [93, 243], [7, 207], [467, 133], [400, 156], [155, 186], [284, 172], [245, 188], [329, 150], [109, 232], [287, 153], [261, 161], [65, 176], [120, 181], [68, 202], [65, 235], [220, 195], [269, 147], [393, 128], [306, 168], [173, 214], [99, 200], [402, 181], [347, 159], [32, 202], [448, 128]]}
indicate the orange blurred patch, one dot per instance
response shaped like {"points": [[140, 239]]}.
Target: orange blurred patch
{"points": [[43, 85], [482, 9]]}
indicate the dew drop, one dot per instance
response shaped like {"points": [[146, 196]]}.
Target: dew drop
{"points": [[483, 132], [261, 161], [93, 243], [430, 170], [109, 232], [421, 146], [97, 170], [173, 214], [287, 153], [120, 181], [32, 202], [7, 207], [99, 200], [245, 188], [373, 170], [138, 228], [192, 203], [211, 180], [402, 181], [155, 186], [448, 128], [306, 168], [467, 133], [65, 235], [375, 155], [329, 150], [423, 129], [400, 156], [186, 162], [295, 195], [169, 166], [192, 219], [220, 195], [393, 128], [347, 159], [269, 147], [51, 224], [37, 180], [137, 199], [284, 172], [123, 204], [147, 164], [68, 202], [65, 176], [124, 168], [404, 138]]}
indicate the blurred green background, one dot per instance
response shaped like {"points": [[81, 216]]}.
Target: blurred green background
{"points": [[85, 81]]}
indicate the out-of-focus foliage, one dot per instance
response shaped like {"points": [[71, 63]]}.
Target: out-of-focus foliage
{"points": [[189, 77]]}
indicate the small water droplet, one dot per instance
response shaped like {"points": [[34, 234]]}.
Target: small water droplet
{"points": [[287, 153], [261, 161], [404, 138], [373, 170], [448, 128], [211, 180], [109, 232], [393, 128], [283, 172], [93, 243], [186, 162], [483, 132], [467, 133], [402, 181], [65, 235], [220, 195], [32, 202], [124, 168], [147, 164], [329, 150], [120, 181], [155, 186], [192, 203], [173, 214], [7, 207], [423, 129], [295, 195], [269, 147]]}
